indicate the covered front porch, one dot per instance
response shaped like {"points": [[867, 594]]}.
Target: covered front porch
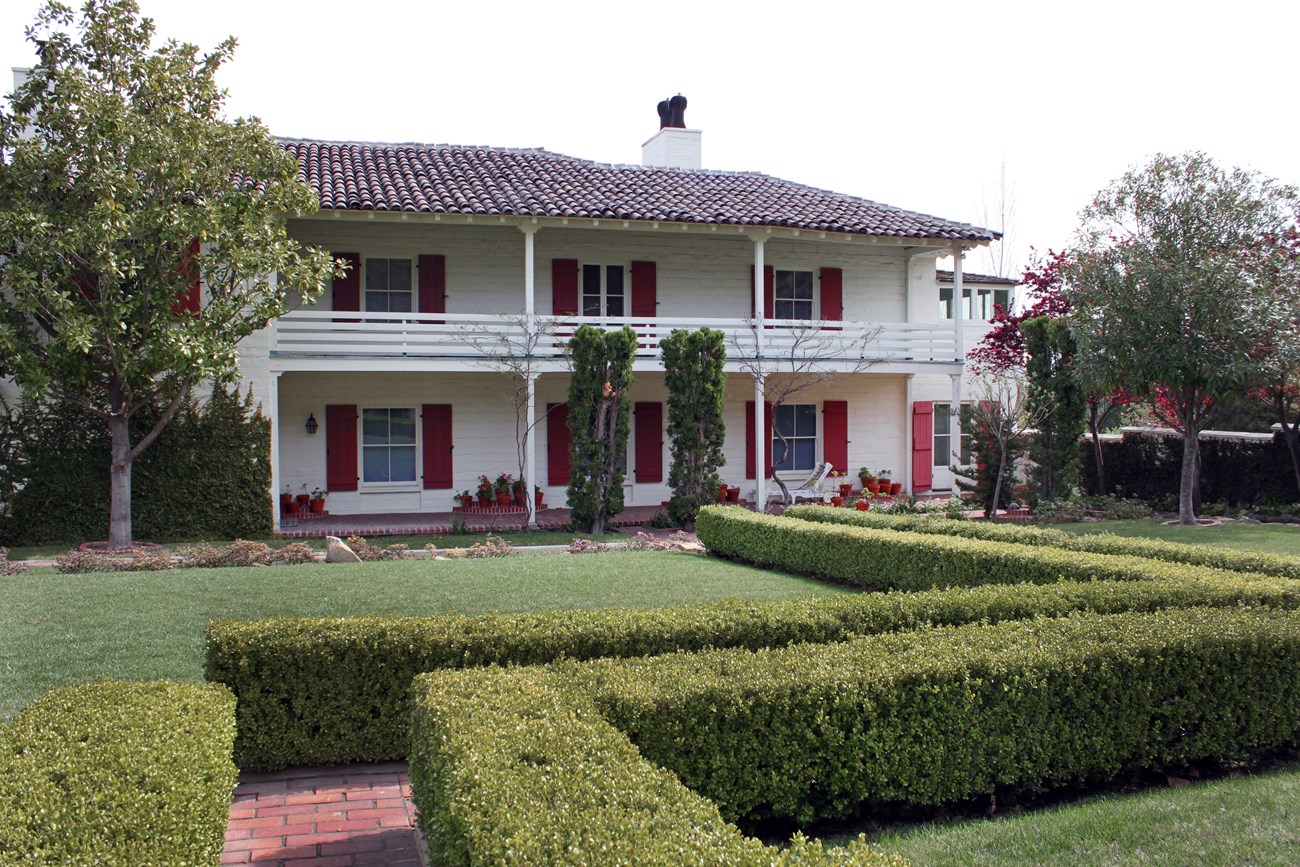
{"points": [[444, 523]]}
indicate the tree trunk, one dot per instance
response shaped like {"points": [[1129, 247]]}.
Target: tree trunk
{"points": [[1186, 511], [992, 514], [1101, 461], [119, 513]]}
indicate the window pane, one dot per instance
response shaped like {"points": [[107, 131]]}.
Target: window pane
{"points": [[784, 309], [783, 420], [377, 302], [614, 305], [942, 446], [402, 463], [591, 280], [399, 275], [802, 310], [375, 461], [377, 274], [805, 419], [942, 419], [777, 463], [613, 280], [374, 427], [399, 302], [945, 302], [1001, 298], [803, 284], [805, 454], [402, 427], [784, 284]]}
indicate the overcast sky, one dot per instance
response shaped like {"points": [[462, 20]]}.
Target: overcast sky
{"points": [[914, 104]]}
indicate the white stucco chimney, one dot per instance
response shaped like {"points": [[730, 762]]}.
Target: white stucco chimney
{"points": [[673, 146]]}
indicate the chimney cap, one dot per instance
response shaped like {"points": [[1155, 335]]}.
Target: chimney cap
{"points": [[672, 113]]}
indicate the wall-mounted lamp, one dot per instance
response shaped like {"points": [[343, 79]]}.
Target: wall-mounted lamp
{"points": [[312, 426]]}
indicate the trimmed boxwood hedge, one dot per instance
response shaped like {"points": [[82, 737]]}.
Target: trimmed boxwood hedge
{"points": [[508, 766], [875, 559], [557, 764], [326, 691], [118, 773], [936, 715], [1095, 543]]}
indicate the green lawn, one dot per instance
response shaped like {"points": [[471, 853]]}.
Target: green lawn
{"points": [[1248, 820], [56, 629], [536, 537], [1260, 538]]}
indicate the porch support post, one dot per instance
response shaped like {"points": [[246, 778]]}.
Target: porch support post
{"points": [[761, 449], [530, 451], [958, 301], [908, 445], [273, 410], [530, 303]]}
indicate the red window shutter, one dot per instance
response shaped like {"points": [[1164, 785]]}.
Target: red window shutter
{"points": [[435, 419], [433, 284], [347, 289], [749, 440], [769, 291], [341, 447], [649, 442], [922, 445], [832, 294], [564, 293], [557, 443], [835, 427], [644, 292], [188, 301]]}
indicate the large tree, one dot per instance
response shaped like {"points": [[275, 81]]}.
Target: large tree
{"points": [[1163, 296], [598, 423], [122, 183]]}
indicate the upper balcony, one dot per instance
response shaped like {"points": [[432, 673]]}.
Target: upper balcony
{"points": [[337, 340]]}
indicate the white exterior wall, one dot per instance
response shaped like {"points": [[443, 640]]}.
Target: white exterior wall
{"points": [[697, 275]]}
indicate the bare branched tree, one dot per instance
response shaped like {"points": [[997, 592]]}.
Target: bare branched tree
{"points": [[799, 355], [1004, 413], [511, 346], [997, 211]]}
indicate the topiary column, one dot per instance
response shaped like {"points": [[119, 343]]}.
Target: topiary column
{"points": [[693, 366], [598, 423]]}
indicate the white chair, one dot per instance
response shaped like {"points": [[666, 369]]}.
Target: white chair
{"points": [[811, 488]]}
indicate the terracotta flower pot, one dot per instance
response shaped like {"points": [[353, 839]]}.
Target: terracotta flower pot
{"points": [[485, 501], [467, 502], [318, 506], [846, 489], [733, 495], [519, 500], [837, 501], [722, 493], [874, 488], [895, 489], [537, 499], [303, 500], [862, 505], [503, 499]]}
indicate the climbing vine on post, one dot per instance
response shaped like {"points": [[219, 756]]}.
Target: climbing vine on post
{"points": [[598, 423], [693, 374]]}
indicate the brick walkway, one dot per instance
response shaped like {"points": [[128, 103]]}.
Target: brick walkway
{"points": [[324, 817]]}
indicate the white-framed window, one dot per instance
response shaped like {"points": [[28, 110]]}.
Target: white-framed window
{"points": [[388, 286], [943, 456], [797, 422], [792, 296], [388, 445], [604, 290], [980, 302]]}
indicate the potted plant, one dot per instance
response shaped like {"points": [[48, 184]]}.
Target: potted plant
{"points": [[303, 499], [484, 492], [503, 490], [862, 504], [733, 495], [537, 496], [895, 489], [286, 501], [518, 488], [837, 501], [465, 498], [883, 478], [318, 501], [866, 476], [838, 479], [722, 493]]}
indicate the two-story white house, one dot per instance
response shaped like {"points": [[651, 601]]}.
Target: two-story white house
{"points": [[382, 391]]}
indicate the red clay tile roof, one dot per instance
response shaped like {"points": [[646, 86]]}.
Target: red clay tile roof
{"points": [[454, 179], [967, 277]]}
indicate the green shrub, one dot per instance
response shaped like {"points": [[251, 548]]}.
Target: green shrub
{"points": [[1099, 543], [510, 767], [118, 773], [207, 475], [327, 691], [932, 716]]}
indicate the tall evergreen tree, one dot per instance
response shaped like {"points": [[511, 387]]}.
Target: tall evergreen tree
{"points": [[598, 423], [694, 375], [1057, 400]]}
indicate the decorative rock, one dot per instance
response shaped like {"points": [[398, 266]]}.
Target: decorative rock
{"points": [[337, 551], [693, 547]]}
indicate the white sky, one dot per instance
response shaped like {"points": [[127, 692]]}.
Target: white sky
{"points": [[913, 104]]}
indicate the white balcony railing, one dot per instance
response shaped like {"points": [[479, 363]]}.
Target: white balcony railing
{"points": [[343, 334]]}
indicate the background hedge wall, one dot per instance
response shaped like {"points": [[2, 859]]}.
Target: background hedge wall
{"points": [[1237, 473], [208, 475]]}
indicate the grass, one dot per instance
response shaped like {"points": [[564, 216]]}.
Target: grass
{"points": [[57, 629], [464, 540], [1259, 538], [1246, 820]]}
